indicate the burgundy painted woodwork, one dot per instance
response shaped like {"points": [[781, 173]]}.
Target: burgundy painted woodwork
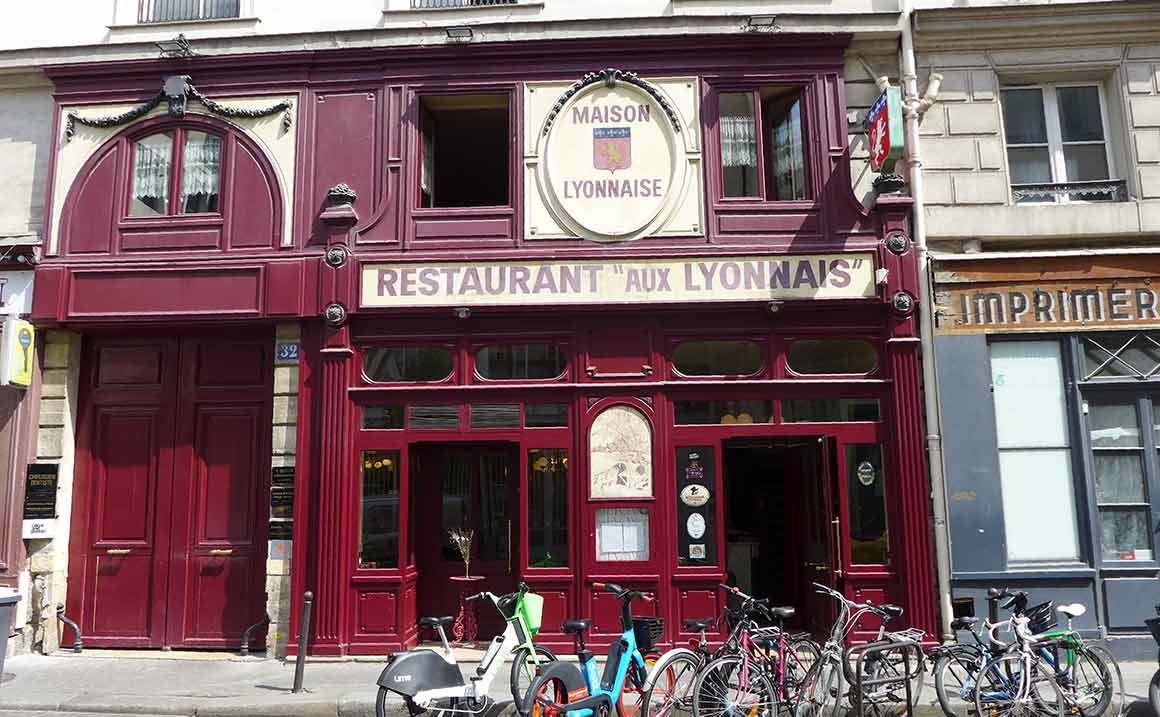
{"points": [[16, 421], [169, 513]]}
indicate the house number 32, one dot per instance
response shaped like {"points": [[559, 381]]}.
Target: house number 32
{"points": [[286, 352]]}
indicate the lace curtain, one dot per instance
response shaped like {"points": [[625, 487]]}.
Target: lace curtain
{"points": [[201, 172], [151, 175], [738, 141]]}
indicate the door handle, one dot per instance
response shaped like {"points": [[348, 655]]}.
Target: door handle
{"points": [[222, 551], [118, 551], [509, 547], [837, 546]]}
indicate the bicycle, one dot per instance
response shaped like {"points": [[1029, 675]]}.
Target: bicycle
{"points": [[425, 679], [1017, 682], [564, 690]]}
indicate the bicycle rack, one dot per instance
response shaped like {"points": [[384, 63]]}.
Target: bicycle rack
{"points": [[882, 647], [244, 651]]}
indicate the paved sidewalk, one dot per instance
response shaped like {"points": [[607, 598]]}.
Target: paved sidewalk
{"points": [[199, 685]]}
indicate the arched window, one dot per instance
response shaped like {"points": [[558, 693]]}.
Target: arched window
{"points": [[176, 172], [718, 358]]}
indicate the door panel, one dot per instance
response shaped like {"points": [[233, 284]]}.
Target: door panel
{"points": [[123, 592], [821, 563]]}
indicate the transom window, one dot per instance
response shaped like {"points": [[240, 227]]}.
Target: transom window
{"points": [[761, 144], [176, 172], [718, 358], [1056, 135], [832, 356], [1121, 355], [408, 363], [519, 361]]}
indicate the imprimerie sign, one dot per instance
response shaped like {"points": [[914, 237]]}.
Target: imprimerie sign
{"points": [[1043, 306], [630, 281]]}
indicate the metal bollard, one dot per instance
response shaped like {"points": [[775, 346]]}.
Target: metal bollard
{"points": [[78, 643], [245, 649], [303, 636]]}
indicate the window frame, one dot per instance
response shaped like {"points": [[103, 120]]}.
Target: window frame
{"points": [[763, 126], [674, 341], [564, 348], [1055, 145], [177, 134], [451, 378], [787, 341]]}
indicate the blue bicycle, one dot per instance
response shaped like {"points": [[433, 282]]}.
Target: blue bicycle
{"points": [[563, 690]]}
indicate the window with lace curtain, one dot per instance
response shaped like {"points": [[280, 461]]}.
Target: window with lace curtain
{"points": [[760, 134], [176, 172]]}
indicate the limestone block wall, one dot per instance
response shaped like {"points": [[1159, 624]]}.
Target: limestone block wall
{"points": [[1142, 81], [283, 449], [861, 92]]}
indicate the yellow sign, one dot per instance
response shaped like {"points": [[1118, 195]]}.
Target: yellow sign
{"points": [[18, 355], [630, 281]]}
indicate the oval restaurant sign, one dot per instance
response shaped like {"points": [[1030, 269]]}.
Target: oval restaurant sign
{"points": [[612, 162]]}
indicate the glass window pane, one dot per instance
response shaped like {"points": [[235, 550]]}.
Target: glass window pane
{"points": [[622, 534], [547, 508], [546, 415], [1079, 114], [379, 522], [495, 515], [785, 148], [1085, 162], [1114, 424], [408, 363], [866, 487], [1037, 483], [1119, 477], [1124, 534], [456, 510], [689, 413], [1027, 380], [830, 410], [1119, 355], [200, 170], [1029, 165], [1023, 116], [738, 130], [832, 356], [151, 164], [718, 358], [519, 361], [382, 416]]}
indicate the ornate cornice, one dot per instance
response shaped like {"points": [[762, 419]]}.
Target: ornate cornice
{"points": [[177, 90], [610, 76]]}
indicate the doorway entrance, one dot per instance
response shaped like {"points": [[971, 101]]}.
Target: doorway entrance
{"points": [[169, 530], [466, 488]]}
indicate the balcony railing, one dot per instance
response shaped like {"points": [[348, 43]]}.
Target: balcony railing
{"points": [[436, 4], [1104, 190], [186, 10]]}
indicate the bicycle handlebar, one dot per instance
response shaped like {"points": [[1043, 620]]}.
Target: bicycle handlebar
{"points": [[624, 594], [471, 598]]}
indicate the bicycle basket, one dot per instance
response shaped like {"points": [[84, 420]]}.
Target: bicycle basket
{"points": [[1041, 617], [532, 611], [648, 630]]}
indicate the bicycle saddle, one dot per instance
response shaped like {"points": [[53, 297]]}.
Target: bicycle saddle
{"points": [[1072, 610], [434, 621], [782, 613], [576, 626], [890, 610], [703, 623], [964, 623]]}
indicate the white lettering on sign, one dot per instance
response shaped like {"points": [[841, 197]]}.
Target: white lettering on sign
{"points": [[829, 276]]}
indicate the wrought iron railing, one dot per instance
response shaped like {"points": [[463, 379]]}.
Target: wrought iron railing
{"points": [[184, 10], [435, 4], [1104, 190]]}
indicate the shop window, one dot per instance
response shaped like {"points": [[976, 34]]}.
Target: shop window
{"points": [[390, 364], [866, 489], [620, 441], [1121, 495], [761, 144], [1034, 454], [547, 508], [198, 166], [1121, 355], [377, 417], [465, 151], [696, 413], [622, 534], [830, 410], [832, 356], [379, 523], [546, 415], [718, 358], [519, 361]]}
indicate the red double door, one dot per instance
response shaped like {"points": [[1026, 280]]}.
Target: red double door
{"points": [[169, 520]]}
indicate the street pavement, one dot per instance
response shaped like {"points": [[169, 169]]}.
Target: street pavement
{"points": [[199, 685]]}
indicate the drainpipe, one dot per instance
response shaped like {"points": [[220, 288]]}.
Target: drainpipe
{"points": [[913, 109]]}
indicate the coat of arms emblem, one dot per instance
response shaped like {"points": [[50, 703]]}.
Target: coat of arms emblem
{"points": [[612, 148]]}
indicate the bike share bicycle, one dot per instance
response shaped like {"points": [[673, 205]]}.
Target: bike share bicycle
{"points": [[565, 690], [426, 679]]}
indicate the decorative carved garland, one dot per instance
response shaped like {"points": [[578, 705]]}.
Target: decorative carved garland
{"points": [[610, 76], [176, 90]]}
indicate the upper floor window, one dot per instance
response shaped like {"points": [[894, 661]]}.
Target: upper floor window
{"points": [[1057, 144], [464, 151], [186, 10], [762, 154], [182, 182]]}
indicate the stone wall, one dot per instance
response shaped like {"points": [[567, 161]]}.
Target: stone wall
{"points": [[283, 455]]}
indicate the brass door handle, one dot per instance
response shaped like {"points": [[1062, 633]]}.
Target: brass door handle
{"points": [[222, 551], [837, 546], [118, 551]]}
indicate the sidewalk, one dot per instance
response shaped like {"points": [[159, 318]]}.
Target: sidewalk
{"points": [[200, 685]]}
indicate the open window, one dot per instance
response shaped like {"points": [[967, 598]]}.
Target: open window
{"points": [[761, 140], [465, 151]]}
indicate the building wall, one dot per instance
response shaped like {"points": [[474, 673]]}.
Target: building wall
{"points": [[284, 453], [25, 122]]}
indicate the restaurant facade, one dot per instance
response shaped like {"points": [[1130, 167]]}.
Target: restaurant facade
{"points": [[622, 323]]}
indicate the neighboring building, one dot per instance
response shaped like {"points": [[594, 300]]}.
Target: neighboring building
{"points": [[341, 282], [1042, 174]]}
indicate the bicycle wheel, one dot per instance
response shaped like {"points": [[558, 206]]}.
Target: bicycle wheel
{"points": [[821, 692], [729, 688], [800, 658], [1006, 689], [672, 688], [1116, 709], [1085, 680], [549, 698], [953, 672], [524, 670]]}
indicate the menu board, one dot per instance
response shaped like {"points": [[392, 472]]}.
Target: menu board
{"points": [[696, 505]]}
